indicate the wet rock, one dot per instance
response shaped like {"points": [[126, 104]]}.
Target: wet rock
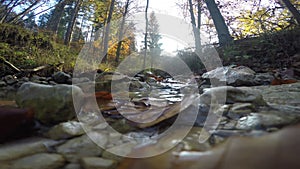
{"points": [[271, 151], [52, 82], [286, 94], [8, 92], [37, 79], [97, 163], [191, 141], [66, 130], [136, 85], [263, 78], [61, 77], [51, 104], [114, 138], [9, 79], [264, 121], [232, 75], [100, 126], [2, 83], [239, 110], [118, 82], [23, 148], [115, 152], [230, 95], [83, 146], [25, 79], [39, 161]]}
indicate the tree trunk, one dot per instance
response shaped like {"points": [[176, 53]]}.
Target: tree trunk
{"points": [[56, 16], [121, 32], [199, 15], [146, 34], [107, 30], [72, 22], [196, 29], [219, 22], [293, 10]]}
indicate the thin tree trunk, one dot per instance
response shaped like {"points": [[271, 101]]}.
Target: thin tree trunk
{"points": [[107, 30], [196, 30], [199, 15], [219, 22], [146, 34], [121, 32], [26, 11], [55, 18], [9, 10], [72, 22], [36, 14], [293, 10]]}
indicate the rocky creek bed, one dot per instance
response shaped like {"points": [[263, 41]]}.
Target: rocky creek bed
{"points": [[253, 126]]}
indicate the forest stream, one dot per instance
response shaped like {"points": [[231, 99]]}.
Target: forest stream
{"points": [[252, 118]]}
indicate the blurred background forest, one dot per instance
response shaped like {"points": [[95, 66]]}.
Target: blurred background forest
{"points": [[39, 32]]}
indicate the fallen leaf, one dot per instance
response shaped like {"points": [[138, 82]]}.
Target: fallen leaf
{"points": [[281, 81], [14, 121], [103, 95]]}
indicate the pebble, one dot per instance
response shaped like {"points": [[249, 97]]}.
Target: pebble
{"points": [[83, 146], [2, 83], [9, 79], [66, 130], [72, 166], [39, 161], [23, 148], [97, 163]]}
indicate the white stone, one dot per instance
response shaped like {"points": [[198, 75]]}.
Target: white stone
{"points": [[23, 148], [39, 161], [66, 130], [83, 146]]}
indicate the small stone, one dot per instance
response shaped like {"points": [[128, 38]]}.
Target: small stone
{"points": [[100, 126], [9, 79], [239, 110], [2, 83], [263, 78], [191, 141], [52, 82], [39, 161], [35, 78], [114, 137], [118, 151], [230, 95], [23, 148], [25, 79], [61, 77], [66, 130], [232, 75], [97, 163], [263, 121], [44, 82], [72, 166], [83, 146]]}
